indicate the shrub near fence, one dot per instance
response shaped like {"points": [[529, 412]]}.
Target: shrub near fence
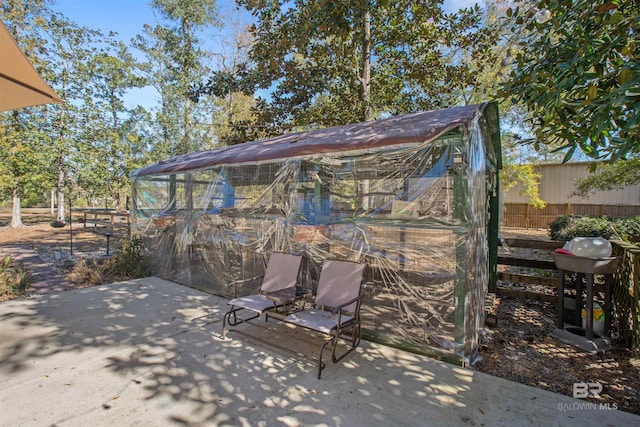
{"points": [[523, 215], [565, 228]]}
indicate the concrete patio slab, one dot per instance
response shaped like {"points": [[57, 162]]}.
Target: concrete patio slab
{"points": [[149, 352]]}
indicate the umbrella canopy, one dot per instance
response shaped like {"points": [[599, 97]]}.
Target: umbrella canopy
{"points": [[20, 84]]}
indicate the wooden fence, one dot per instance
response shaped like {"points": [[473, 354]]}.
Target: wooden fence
{"points": [[626, 293], [523, 215], [546, 279]]}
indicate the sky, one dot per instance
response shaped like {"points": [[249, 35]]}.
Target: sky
{"points": [[123, 16], [127, 18]]}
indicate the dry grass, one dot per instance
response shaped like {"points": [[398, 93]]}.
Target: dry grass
{"points": [[38, 232]]}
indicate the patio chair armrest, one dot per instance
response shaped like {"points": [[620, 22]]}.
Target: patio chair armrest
{"points": [[234, 284], [341, 306], [239, 281]]}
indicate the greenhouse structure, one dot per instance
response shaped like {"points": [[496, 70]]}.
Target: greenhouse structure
{"points": [[413, 196]]}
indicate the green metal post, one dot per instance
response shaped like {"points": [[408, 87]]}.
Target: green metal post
{"points": [[460, 196], [492, 239]]}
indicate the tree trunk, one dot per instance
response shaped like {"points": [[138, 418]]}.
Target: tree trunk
{"points": [[187, 69], [365, 80], [16, 217], [188, 124], [53, 202], [60, 195]]}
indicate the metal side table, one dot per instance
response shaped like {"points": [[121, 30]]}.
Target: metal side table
{"points": [[585, 339]]}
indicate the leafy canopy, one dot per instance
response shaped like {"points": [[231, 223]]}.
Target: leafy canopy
{"points": [[577, 71], [319, 60]]}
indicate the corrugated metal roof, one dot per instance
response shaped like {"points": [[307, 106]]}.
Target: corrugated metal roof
{"points": [[403, 129]]}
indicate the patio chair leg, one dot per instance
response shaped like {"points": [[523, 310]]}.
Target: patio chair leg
{"points": [[226, 320], [355, 342], [321, 364]]}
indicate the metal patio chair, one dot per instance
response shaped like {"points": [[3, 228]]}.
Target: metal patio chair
{"points": [[336, 309], [281, 275]]}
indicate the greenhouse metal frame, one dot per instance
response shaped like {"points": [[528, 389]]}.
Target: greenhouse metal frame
{"points": [[413, 196]]}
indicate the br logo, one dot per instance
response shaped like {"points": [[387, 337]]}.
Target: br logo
{"points": [[582, 390]]}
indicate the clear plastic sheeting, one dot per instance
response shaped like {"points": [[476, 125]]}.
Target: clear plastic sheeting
{"points": [[415, 213]]}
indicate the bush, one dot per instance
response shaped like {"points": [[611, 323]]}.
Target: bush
{"points": [[557, 227], [131, 261], [565, 228], [14, 281], [31, 201], [87, 273], [628, 229]]}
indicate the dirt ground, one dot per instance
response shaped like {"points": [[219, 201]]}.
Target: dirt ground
{"points": [[519, 348], [39, 233], [55, 245]]}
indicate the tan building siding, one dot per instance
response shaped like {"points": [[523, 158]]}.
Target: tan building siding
{"points": [[558, 183]]}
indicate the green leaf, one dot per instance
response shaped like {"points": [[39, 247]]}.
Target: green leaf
{"points": [[590, 78], [632, 92], [569, 154]]}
